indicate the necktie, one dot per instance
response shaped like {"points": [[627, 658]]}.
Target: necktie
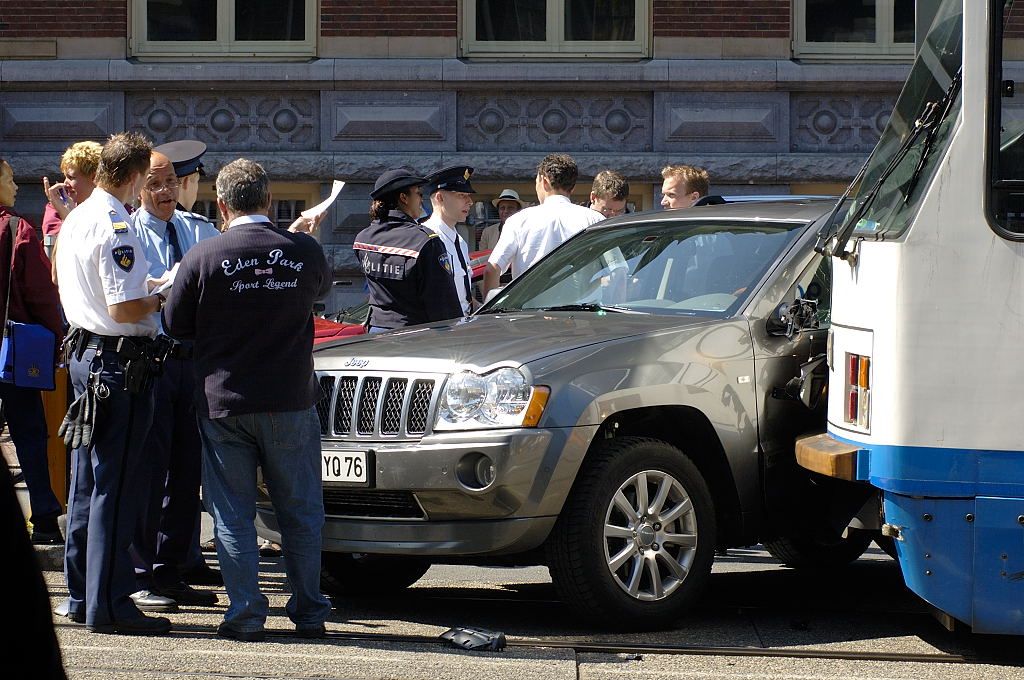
{"points": [[465, 271], [172, 239]]}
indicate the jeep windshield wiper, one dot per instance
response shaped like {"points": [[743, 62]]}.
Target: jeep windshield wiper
{"points": [[589, 307], [498, 310]]}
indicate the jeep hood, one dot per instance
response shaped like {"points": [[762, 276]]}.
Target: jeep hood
{"points": [[488, 340]]}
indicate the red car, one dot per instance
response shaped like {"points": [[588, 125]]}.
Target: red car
{"points": [[353, 321]]}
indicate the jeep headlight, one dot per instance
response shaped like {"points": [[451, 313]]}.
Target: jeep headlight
{"points": [[501, 398]]}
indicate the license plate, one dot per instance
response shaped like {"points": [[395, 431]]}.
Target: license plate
{"points": [[349, 467]]}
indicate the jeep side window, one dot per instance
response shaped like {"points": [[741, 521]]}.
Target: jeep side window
{"points": [[816, 284]]}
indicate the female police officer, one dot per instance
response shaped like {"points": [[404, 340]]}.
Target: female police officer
{"points": [[408, 269]]}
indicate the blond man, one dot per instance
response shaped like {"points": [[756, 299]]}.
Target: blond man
{"points": [[683, 185]]}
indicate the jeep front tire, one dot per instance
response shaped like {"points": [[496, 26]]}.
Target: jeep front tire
{"points": [[634, 543]]}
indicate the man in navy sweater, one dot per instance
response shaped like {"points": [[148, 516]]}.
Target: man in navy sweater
{"points": [[246, 300]]}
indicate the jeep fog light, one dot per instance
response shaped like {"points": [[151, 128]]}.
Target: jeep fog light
{"points": [[485, 471], [476, 471]]}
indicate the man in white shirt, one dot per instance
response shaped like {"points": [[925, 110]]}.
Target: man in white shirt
{"points": [[102, 269], [532, 233], [451, 199]]}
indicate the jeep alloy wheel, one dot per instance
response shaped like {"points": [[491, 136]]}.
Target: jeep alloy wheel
{"points": [[650, 535], [633, 546]]}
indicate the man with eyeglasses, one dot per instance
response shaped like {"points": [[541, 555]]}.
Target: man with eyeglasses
{"points": [[608, 193], [167, 528]]}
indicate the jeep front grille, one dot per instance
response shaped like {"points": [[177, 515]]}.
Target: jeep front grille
{"points": [[323, 406], [368, 397], [390, 406]]}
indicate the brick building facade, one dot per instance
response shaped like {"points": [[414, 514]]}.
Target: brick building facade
{"points": [[323, 89]]}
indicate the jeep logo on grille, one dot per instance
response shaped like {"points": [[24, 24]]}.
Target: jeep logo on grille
{"points": [[357, 363]]}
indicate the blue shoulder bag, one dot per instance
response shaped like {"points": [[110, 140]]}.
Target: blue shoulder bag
{"points": [[27, 350]]}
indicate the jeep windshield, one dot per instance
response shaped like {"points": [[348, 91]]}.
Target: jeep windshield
{"points": [[681, 268]]}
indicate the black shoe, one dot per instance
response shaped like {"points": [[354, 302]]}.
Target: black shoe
{"points": [[143, 625], [182, 593], [148, 601], [202, 576], [316, 632], [47, 537], [226, 630]]}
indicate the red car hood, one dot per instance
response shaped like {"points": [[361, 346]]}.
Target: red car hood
{"points": [[324, 330]]}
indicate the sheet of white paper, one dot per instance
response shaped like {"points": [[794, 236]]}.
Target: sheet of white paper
{"points": [[168, 279], [322, 207]]}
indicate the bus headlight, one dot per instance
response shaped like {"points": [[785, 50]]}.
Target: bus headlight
{"points": [[501, 398]]}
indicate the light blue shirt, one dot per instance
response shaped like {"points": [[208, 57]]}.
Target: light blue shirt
{"points": [[152, 231]]}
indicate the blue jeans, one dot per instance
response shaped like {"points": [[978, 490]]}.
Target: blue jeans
{"points": [[286, 446]]}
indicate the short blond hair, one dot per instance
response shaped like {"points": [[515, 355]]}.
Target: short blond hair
{"points": [[695, 179], [83, 157]]}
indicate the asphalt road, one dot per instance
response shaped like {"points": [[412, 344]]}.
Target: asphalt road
{"points": [[758, 617]]}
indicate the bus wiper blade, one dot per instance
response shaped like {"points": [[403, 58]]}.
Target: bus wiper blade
{"points": [[939, 112], [933, 114], [498, 310]]}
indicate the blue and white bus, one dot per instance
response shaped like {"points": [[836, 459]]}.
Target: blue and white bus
{"points": [[926, 346]]}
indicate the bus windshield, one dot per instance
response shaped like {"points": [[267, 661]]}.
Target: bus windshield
{"points": [[902, 162]]}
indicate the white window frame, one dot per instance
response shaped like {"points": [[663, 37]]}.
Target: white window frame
{"points": [[555, 46], [882, 49], [310, 192], [225, 45]]}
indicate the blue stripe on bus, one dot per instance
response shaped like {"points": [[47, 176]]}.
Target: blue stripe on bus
{"points": [[939, 472]]}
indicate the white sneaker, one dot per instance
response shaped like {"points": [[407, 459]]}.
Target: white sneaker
{"points": [[151, 602]]}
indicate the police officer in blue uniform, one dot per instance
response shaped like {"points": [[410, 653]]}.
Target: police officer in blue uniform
{"points": [[113, 359], [187, 157], [168, 530], [451, 197], [407, 267]]}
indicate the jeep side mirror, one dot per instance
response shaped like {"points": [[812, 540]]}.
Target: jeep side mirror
{"points": [[788, 319]]}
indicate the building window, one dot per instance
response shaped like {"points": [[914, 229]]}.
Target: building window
{"points": [[860, 29], [289, 199], [223, 27], [570, 28]]}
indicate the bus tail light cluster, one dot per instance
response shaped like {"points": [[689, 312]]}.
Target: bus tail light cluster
{"points": [[858, 390]]}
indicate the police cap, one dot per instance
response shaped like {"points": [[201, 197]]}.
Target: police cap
{"points": [[455, 178], [395, 179], [185, 155]]}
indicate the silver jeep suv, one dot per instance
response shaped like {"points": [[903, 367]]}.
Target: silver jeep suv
{"points": [[616, 413]]}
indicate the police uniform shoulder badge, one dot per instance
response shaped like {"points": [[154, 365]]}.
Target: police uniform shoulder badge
{"points": [[446, 262], [124, 257], [119, 226]]}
